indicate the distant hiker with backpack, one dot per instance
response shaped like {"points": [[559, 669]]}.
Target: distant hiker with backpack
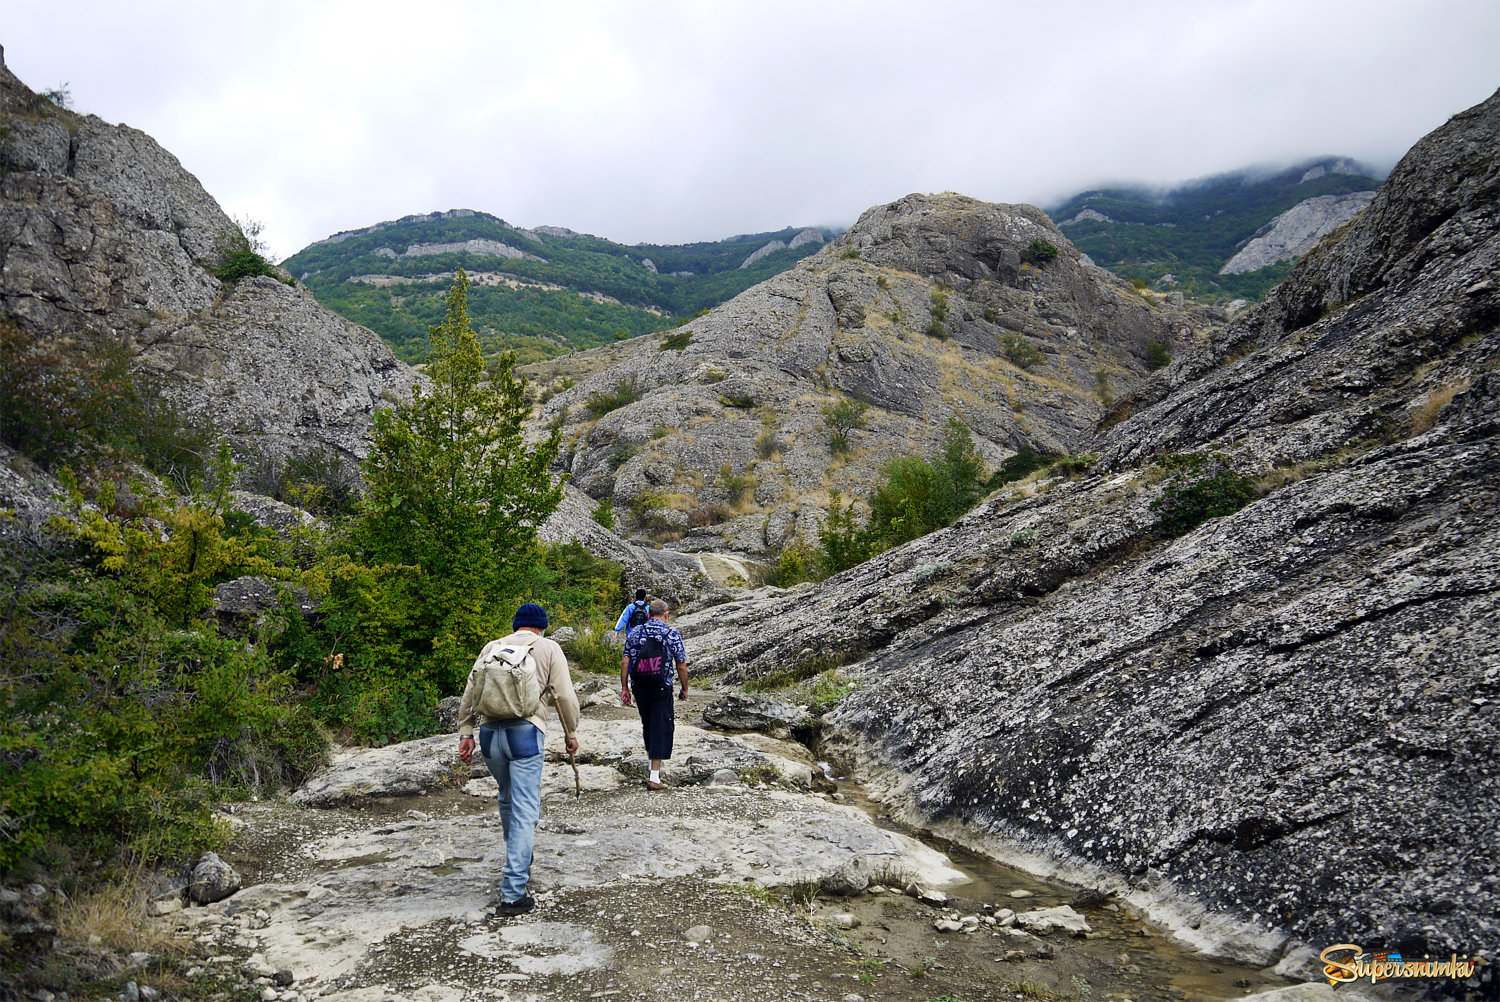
{"points": [[635, 614], [503, 697], [654, 659]]}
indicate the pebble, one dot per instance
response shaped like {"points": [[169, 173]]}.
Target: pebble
{"points": [[947, 925], [844, 920], [698, 934], [1021, 892], [132, 992], [935, 898], [148, 994]]}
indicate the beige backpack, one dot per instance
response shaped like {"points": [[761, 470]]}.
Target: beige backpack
{"points": [[508, 684]]}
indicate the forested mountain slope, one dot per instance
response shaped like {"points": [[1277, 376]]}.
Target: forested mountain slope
{"points": [[540, 292], [1183, 238]]}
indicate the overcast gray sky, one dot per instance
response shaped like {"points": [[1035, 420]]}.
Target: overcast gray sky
{"points": [[670, 122]]}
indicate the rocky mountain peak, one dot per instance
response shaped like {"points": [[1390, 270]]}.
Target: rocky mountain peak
{"points": [[951, 237], [930, 308], [104, 234]]}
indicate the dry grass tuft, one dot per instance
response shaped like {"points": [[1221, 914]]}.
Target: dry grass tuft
{"points": [[1425, 414], [117, 913]]}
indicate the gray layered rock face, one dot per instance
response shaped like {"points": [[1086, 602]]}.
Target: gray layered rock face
{"points": [[105, 236], [727, 446], [1297, 231], [678, 578], [1288, 715]]}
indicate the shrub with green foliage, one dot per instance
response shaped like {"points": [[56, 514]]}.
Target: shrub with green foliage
{"points": [[1071, 466], [1199, 487], [591, 650], [738, 485], [604, 513], [917, 497], [131, 716], [315, 480], [795, 564], [601, 402], [742, 401], [675, 341], [239, 254], [1157, 356], [936, 326], [454, 500], [1021, 352], [841, 539], [622, 454], [1041, 252], [1025, 462], [77, 402], [920, 496], [841, 417]]}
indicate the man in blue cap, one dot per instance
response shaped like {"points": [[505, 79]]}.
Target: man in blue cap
{"points": [[512, 747]]}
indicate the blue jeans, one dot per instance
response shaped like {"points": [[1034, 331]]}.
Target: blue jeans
{"points": [[513, 753]]}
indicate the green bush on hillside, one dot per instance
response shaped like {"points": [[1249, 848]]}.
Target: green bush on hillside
{"points": [[1199, 487], [1041, 252], [601, 402], [1157, 356]]}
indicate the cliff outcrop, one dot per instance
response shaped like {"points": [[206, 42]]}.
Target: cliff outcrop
{"points": [[104, 235], [1278, 727], [929, 308], [1296, 231]]}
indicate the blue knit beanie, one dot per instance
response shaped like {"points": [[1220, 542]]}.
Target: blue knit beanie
{"points": [[530, 614]]}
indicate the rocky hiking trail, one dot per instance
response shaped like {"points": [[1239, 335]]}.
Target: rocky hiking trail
{"points": [[378, 880]]}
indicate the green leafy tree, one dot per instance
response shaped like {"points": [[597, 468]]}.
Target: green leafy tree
{"points": [[455, 496], [842, 417], [920, 495], [844, 544]]}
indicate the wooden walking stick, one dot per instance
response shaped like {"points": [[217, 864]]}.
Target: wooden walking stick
{"points": [[567, 733]]}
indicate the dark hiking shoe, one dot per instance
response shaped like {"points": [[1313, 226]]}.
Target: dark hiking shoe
{"points": [[520, 906]]}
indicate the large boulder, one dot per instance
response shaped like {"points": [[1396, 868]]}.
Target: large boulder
{"points": [[743, 712], [213, 880]]}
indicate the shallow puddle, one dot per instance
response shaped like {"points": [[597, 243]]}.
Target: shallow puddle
{"points": [[1119, 931]]}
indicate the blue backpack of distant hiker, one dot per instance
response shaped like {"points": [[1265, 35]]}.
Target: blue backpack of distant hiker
{"points": [[639, 613]]}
